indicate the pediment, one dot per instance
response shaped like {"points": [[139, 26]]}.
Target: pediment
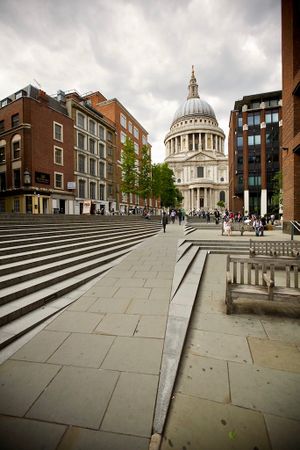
{"points": [[200, 156]]}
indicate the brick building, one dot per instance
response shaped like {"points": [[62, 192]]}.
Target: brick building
{"points": [[291, 110], [94, 156], [126, 126], [36, 154], [254, 152]]}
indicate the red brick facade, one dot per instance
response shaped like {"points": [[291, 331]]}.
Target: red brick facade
{"points": [[49, 174], [291, 110]]}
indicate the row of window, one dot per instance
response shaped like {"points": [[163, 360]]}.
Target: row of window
{"points": [[83, 186], [17, 182], [255, 139], [131, 129], [86, 165], [15, 122], [253, 119], [92, 127]]}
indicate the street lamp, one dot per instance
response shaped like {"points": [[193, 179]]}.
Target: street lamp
{"points": [[27, 177]]}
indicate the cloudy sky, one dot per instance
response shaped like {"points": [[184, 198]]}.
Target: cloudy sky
{"points": [[141, 51]]}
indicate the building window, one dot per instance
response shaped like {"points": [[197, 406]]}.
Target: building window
{"points": [[136, 132], [15, 120], [16, 205], [20, 94], [222, 196], [81, 188], [16, 150], [92, 167], [101, 192], [58, 180], [2, 181], [255, 105], [136, 148], [58, 156], [109, 136], [272, 116], [200, 172], [17, 178], [92, 190], [81, 141], [81, 163], [123, 120], [57, 131], [130, 127], [109, 190], [254, 181], [144, 140], [123, 137], [92, 146], [101, 170], [240, 121], [254, 139], [239, 141], [109, 151], [2, 128], [253, 119], [109, 169], [80, 120], [101, 133], [101, 150], [92, 127], [2, 154]]}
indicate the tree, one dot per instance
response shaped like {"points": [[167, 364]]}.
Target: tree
{"points": [[163, 185], [276, 199], [144, 176], [221, 204], [128, 168]]}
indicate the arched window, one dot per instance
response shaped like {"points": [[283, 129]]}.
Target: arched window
{"points": [[16, 147], [222, 196]]}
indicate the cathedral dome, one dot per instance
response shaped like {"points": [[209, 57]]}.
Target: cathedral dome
{"points": [[194, 107]]}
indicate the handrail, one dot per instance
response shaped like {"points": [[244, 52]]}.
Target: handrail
{"points": [[294, 225]]}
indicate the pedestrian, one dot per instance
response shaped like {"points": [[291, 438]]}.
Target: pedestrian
{"points": [[173, 215], [164, 221], [180, 216], [228, 226]]}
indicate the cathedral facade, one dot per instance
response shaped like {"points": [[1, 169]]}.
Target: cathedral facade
{"points": [[195, 153]]}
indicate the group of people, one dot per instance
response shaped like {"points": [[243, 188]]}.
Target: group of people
{"points": [[172, 215], [257, 222]]}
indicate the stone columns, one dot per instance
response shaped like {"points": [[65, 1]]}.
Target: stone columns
{"points": [[193, 136], [263, 202], [205, 197]]}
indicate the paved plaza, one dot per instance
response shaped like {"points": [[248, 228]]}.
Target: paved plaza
{"points": [[88, 378]]}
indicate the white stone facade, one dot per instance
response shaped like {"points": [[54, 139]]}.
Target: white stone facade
{"points": [[195, 153]]}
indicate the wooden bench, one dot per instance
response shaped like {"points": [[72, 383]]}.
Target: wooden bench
{"points": [[263, 284], [239, 226], [285, 249]]}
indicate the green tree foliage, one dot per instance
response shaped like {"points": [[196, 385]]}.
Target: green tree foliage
{"points": [[163, 185], [276, 199], [144, 176], [128, 167]]}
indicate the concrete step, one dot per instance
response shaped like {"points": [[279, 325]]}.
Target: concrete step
{"points": [[51, 300], [12, 264]]}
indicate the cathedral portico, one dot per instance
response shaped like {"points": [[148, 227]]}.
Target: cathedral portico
{"points": [[195, 153]]}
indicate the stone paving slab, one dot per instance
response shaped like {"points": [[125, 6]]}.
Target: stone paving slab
{"points": [[148, 308], [83, 303], [275, 354], [204, 378], [21, 382], [132, 292], [219, 345], [41, 346], [236, 325], [287, 330], [109, 305], [267, 390], [132, 405], [151, 326], [143, 355], [118, 324], [284, 433], [24, 434], [197, 424], [81, 349], [76, 396], [84, 439], [73, 321]]}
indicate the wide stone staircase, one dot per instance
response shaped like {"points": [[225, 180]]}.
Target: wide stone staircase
{"points": [[44, 260]]}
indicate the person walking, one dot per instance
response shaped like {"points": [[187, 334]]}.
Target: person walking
{"points": [[164, 221]]}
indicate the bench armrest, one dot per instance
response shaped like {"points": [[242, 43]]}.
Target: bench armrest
{"points": [[295, 252], [228, 277], [267, 279], [252, 251]]}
